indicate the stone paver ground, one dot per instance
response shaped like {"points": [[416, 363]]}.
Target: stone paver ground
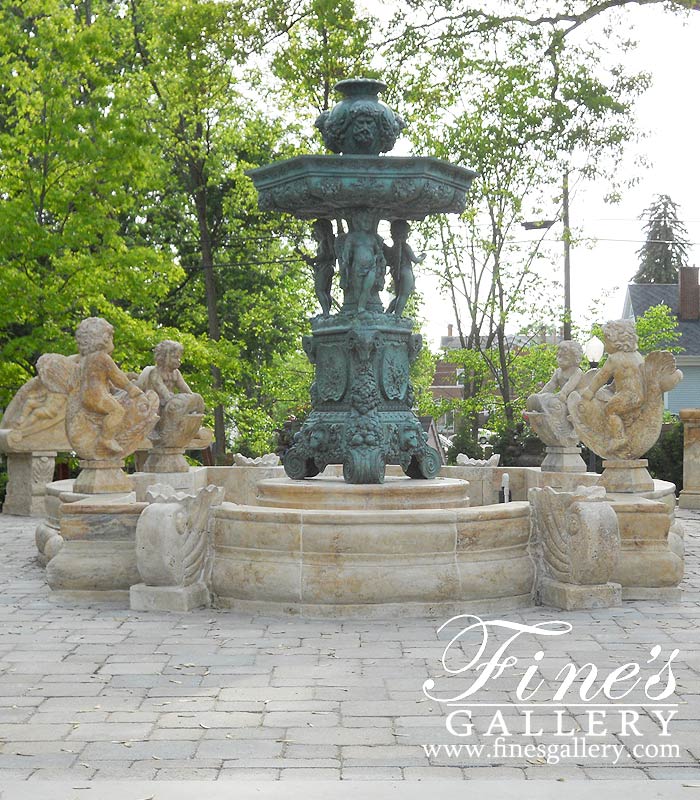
{"points": [[102, 692]]}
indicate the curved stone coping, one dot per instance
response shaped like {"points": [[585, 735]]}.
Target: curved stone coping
{"points": [[63, 490], [481, 532], [330, 492], [105, 504], [663, 491]]}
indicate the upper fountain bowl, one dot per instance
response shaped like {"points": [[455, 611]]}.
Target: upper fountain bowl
{"points": [[397, 188], [360, 127]]}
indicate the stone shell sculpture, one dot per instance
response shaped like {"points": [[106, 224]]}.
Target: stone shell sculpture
{"points": [[173, 548], [268, 460], [576, 541], [464, 460], [35, 419]]}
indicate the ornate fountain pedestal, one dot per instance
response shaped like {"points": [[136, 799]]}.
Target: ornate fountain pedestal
{"points": [[362, 399]]}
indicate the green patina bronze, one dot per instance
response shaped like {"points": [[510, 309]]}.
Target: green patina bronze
{"points": [[362, 396]]}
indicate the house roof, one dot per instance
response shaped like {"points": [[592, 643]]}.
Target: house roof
{"points": [[641, 296]]}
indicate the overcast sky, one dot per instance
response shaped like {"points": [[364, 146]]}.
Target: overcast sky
{"points": [[669, 47]]}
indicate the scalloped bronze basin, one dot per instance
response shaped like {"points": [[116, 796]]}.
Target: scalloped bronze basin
{"points": [[395, 187]]}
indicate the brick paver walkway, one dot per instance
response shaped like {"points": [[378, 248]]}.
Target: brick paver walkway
{"points": [[104, 692]]}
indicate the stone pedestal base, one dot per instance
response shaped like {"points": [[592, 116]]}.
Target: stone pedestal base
{"points": [[98, 553], [166, 459], [628, 476], [168, 598], [563, 459], [574, 597], [48, 532], [689, 499], [191, 481], [690, 496], [651, 555], [27, 476], [102, 477]]}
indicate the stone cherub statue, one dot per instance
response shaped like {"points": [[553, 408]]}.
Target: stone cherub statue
{"points": [[547, 412], [617, 410], [107, 415], [401, 258], [181, 410]]}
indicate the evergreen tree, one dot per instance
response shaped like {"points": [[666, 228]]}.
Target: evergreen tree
{"points": [[665, 248]]}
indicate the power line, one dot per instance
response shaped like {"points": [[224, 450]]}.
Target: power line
{"points": [[636, 241], [583, 238]]}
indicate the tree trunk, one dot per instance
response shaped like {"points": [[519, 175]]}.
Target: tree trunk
{"points": [[505, 377], [199, 193]]}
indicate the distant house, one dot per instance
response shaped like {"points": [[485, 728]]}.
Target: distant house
{"points": [[448, 383], [683, 299]]}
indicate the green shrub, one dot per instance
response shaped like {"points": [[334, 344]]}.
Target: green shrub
{"points": [[666, 456], [464, 442], [519, 447]]}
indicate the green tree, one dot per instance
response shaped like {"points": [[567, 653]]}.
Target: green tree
{"points": [[72, 162], [657, 329], [240, 265], [332, 41], [124, 139], [525, 103], [666, 247]]}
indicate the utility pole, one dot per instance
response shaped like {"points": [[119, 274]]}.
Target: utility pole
{"points": [[567, 256]]}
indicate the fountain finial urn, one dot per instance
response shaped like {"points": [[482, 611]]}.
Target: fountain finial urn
{"points": [[360, 124]]}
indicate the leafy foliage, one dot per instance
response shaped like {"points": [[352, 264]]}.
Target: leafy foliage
{"points": [[464, 442], [72, 159], [525, 104], [330, 43], [657, 329], [123, 147], [519, 447], [126, 129]]}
